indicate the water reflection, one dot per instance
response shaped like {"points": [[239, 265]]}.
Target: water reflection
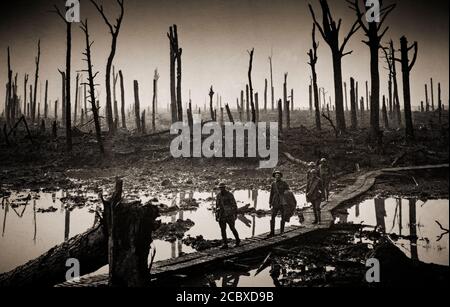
{"points": [[414, 222], [27, 232]]}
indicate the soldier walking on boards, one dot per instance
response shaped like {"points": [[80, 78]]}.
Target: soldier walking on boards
{"points": [[325, 176], [314, 193], [226, 214], [277, 201]]}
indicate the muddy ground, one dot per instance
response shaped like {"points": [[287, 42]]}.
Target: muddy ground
{"points": [[145, 163]]}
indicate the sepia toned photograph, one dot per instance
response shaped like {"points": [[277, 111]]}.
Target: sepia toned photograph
{"points": [[246, 145]]}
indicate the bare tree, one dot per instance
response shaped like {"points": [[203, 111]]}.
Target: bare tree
{"points": [[155, 89], [114, 31], [271, 83], [122, 98], [68, 114], [116, 108], [330, 33], [312, 62], [36, 78], [211, 109], [25, 82], [91, 82], [373, 31], [250, 67], [406, 69], [175, 62]]}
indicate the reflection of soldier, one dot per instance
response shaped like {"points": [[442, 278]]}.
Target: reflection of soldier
{"points": [[226, 213], [230, 280], [314, 193], [325, 175], [277, 201]]}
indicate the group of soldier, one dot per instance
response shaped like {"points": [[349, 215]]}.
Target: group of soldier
{"points": [[281, 200]]}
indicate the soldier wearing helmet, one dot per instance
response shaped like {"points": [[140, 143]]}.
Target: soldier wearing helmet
{"points": [[277, 201], [226, 214]]}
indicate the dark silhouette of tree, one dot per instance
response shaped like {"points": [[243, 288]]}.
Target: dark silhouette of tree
{"points": [[175, 62], [406, 69], [91, 90], [330, 33], [114, 31], [68, 109], [373, 31], [36, 78], [312, 62]]}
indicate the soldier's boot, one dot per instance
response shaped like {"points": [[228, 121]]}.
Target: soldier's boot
{"points": [[316, 219], [272, 228], [282, 226]]}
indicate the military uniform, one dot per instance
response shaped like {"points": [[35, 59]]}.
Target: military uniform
{"points": [[226, 214], [314, 193], [325, 176], [277, 201]]}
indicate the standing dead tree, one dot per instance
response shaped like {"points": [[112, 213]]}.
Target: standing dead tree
{"points": [[286, 102], [373, 31], [76, 99], [390, 62], [45, 100], [122, 99], [265, 95], [155, 93], [354, 119], [312, 62], [114, 31], [330, 33], [439, 103], [211, 109], [91, 83], [175, 62], [36, 78], [63, 96], [406, 69], [271, 83], [137, 106], [68, 114], [25, 82], [250, 84], [116, 108], [9, 91], [384, 113]]}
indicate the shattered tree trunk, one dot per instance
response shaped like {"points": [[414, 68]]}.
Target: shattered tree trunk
{"points": [[354, 119], [439, 104], [312, 62], [230, 116], [211, 109], [45, 100], [271, 84], [143, 126], [280, 116], [432, 94], [137, 111], [76, 100], [63, 98], [406, 69], [9, 91], [122, 100], [116, 107], [247, 103], [426, 99], [36, 78], [250, 84], [91, 81], [265, 96], [173, 95], [384, 113], [397, 111], [68, 102]]}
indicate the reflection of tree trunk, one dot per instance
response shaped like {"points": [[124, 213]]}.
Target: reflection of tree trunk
{"points": [[4, 218], [34, 222], [413, 229], [380, 213], [253, 226], [357, 210], [400, 227], [67, 225]]}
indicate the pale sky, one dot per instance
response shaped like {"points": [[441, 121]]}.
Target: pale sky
{"points": [[215, 36]]}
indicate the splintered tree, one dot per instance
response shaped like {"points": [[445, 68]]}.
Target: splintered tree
{"points": [[330, 33], [91, 82], [406, 69], [116, 108], [154, 101], [9, 91], [211, 109], [36, 78], [175, 62], [374, 33], [312, 62], [122, 100], [250, 84], [25, 82], [272, 89], [137, 106], [68, 114], [114, 31], [354, 119]]}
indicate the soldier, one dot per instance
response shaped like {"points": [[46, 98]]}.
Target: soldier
{"points": [[277, 201], [226, 213], [314, 193], [325, 176]]}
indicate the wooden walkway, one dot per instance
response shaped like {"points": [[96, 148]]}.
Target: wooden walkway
{"points": [[199, 260]]}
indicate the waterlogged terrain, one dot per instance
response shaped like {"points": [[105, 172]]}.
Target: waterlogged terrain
{"points": [[34, 221]]}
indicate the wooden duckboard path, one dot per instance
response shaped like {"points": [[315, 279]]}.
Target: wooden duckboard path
{"points": [[200, 260]]}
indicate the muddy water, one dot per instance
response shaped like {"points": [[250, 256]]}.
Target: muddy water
{"points": [[413, 221], [27, 233]]}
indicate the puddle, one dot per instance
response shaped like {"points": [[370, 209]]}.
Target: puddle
{"points": [[412, 221], [27, 232]]}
